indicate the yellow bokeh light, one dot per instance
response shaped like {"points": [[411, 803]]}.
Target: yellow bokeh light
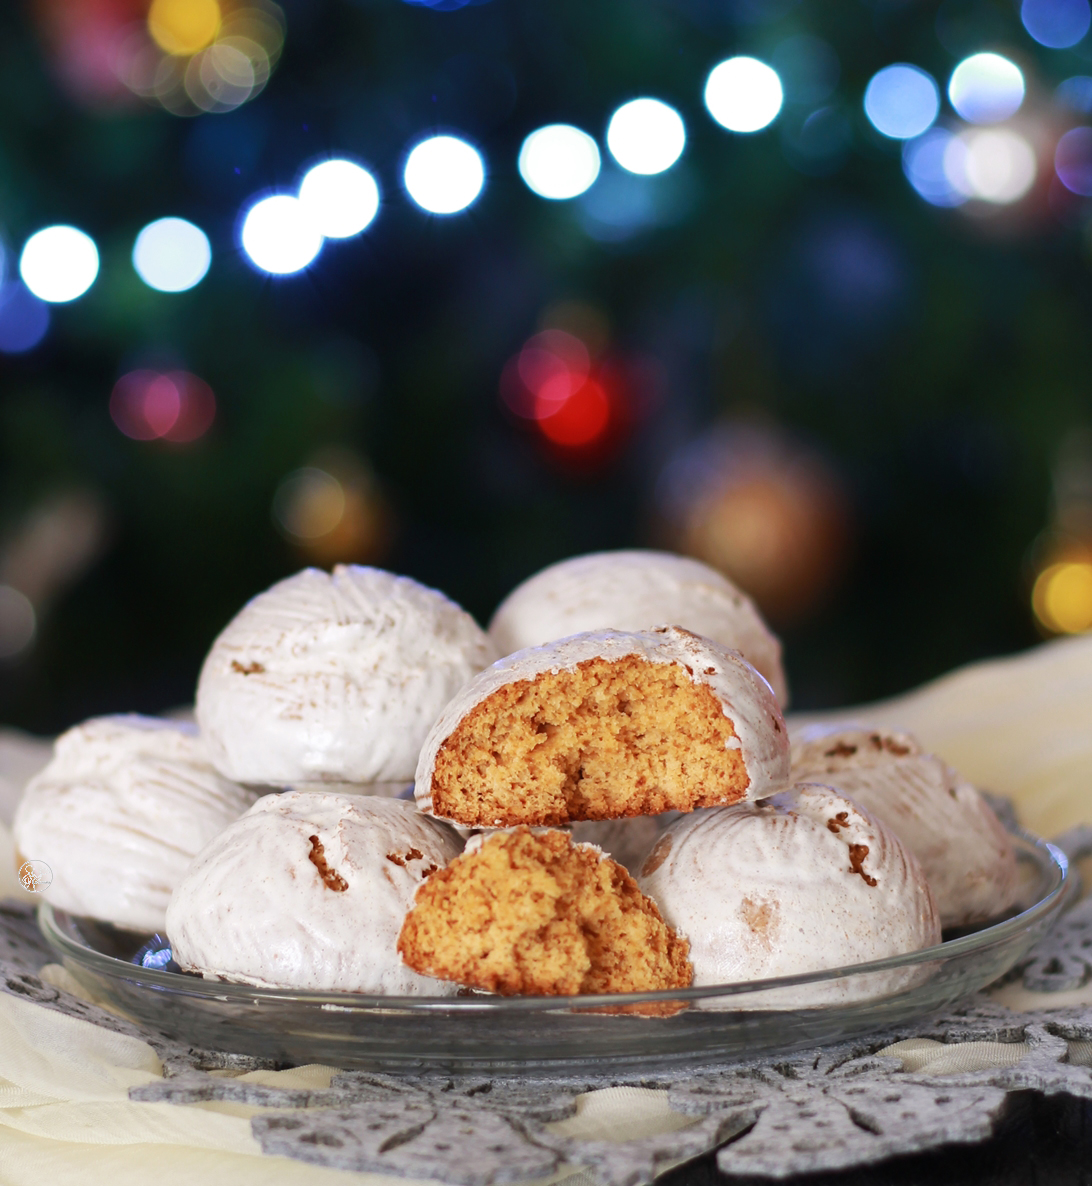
{"points": [[1062, 597], [183, 27]]}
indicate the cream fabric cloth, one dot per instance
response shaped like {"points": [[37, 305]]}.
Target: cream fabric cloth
{"points": [[1020, 726]]}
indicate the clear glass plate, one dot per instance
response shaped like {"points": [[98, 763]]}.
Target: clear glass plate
{"points": [[525, 1035]]}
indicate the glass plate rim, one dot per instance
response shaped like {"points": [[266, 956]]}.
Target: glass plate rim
{"points": [[1049, 856]]}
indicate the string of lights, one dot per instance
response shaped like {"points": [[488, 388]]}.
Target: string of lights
{"points": [[979, 156]]}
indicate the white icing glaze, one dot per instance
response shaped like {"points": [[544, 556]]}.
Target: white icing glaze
{"points": [[334, 677], [119, 813], [963, 849], [769, 889], [636, 590], [745, 697], [254, 907]]}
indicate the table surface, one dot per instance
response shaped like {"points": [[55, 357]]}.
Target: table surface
{"points": [[1039, 1142]]}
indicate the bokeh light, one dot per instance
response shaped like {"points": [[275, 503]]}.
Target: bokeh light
{"points": [[171, 255], [902, 101], [59, 263], [923, 164], [743, 94], [444, 174], [994, 165], [769, 513], [309, 503], [150, 405], [559, 162], [24, 319], [646, 136], [1076, 93], [332, 511], [197, 56], [551, 383], [280, 235], [1073, 161], [1057, 24], [182, 27], [986, 88], [341, 197], [1062, 597], [18, 622]]}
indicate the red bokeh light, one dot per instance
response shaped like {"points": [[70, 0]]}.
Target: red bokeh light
{"points": [[578, 420], [551, 383], [149, 406]]}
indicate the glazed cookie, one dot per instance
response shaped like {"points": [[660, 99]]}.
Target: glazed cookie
{"points": [[964, 851], [532, 912], [604, 725], [636, 590], [118, 814], [334, 678], [804, 881], [309, 890]]}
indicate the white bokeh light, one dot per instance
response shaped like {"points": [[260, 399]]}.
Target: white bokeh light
{"points": [[171, 255], [986, 88], [59, 264], [280, 236], [646, 136], [902, 101], [743, 94], [341, 197], [559, 162], [444, 174], [994, 165]]}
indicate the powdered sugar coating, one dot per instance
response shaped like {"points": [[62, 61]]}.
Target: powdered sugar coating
{"points": [[334, 677], [804, 881], [636, 590], [745, 697], [262, 904], [964, 851], [119, 813]]}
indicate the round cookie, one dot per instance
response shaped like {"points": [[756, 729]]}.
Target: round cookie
{"points": [[604, 725], [636, 590], [964, 851], [804, 881], [118, 814], [309, 890], [334, 678]]}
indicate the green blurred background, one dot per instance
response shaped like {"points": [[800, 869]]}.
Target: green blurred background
{"points": [[869, 409]]}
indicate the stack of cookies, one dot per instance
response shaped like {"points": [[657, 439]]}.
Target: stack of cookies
{"points": [[372, 801]]}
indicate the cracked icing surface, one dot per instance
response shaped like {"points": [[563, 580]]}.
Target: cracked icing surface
{"points": [[559, 711], [964, 852], [118, 814], [334, 677], [636, 590], [803, 881], [309, 890]]}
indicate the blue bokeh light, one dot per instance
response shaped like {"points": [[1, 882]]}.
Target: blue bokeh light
{"points": [[902, 101], [1076, 93], [24, 320], [923, 164], [1057, 24]]}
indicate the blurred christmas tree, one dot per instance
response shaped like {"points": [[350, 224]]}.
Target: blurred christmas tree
{"points": [[837, 356]]}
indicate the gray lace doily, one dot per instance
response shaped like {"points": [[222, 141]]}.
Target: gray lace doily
{"points": [[827, 1109]]}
